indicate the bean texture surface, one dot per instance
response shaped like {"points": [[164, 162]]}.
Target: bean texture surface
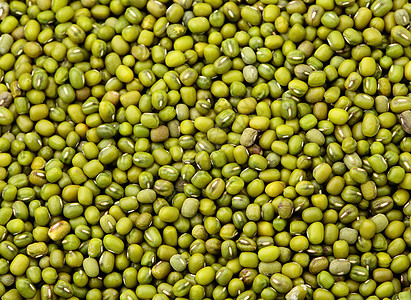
{"points": [[207, 149]]}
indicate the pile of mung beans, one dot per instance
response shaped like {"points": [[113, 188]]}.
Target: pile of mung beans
{"points": [[205, 149]]}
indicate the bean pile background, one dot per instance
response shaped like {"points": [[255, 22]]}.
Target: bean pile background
{"points": [[213, 149]]}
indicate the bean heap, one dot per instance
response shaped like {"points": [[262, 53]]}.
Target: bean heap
{"points": [[210, 149]]}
